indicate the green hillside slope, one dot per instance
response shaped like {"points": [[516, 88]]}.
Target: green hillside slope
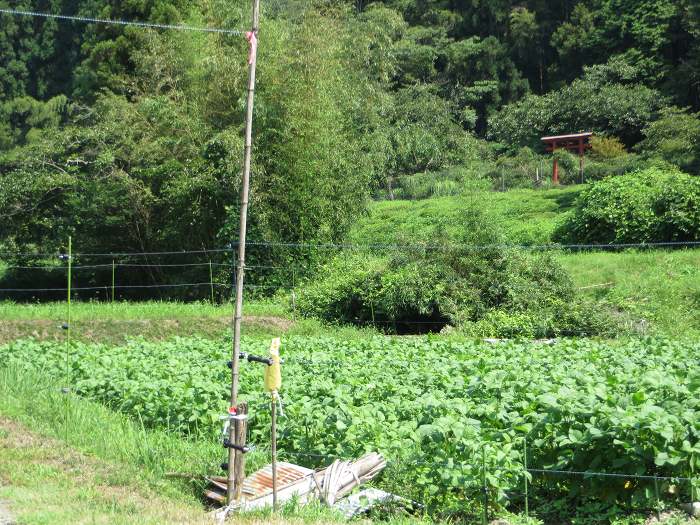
{"points": [[526, 216]]}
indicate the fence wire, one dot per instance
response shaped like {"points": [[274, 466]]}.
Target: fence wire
{"points": [[370, 246], [116, 22], [522, 491]]}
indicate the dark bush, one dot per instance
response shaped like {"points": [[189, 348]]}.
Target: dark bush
{"points": [[506, 292], [482, 292]]}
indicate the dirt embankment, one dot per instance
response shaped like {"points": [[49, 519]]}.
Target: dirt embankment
{"points": [[117, 330]]}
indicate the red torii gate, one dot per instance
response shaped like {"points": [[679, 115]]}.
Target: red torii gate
{"points": [[577, 142]]}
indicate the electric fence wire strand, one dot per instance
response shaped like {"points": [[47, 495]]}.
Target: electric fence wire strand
{"points": [[130, 265], [448, 246], [125, 286], [107, 21], [458, 466], [407, 247]]}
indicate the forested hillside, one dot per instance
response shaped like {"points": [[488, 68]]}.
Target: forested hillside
{"points": [[132, 138]]}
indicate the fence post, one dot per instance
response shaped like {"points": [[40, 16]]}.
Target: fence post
{"points": [[211, 282], [527, 503], [294, 295], [273, 435], [658, 499], [484, 489], [463, 481], [113, 273], [70, 270], [66, 389], [692, 481], [239, 433]]}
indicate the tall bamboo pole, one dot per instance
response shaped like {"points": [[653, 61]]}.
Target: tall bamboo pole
{"points": [[234, 456]]}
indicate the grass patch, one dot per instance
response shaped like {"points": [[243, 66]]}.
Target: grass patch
{"points": [[117, 475], [123, 310], [526, 216], [659, 290], [156, 321], [38, 401], [47, 483]]}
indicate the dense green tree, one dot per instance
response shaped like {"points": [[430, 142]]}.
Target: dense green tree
{"points": [[481, 76], [597, 102], [646, 25], [419, 53], [675, 137], [308, 147], [524, 36], [160, 168], [21, 118], [684, 79], [575, 41], [425, 135]]}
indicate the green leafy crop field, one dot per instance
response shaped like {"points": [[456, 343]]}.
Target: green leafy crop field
{"points": [[450, 415]]}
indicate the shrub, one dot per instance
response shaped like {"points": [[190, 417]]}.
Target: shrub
{"points": [[598, 168], [335, 295], [559, 318], [590, 103], [653, 205], [603, 148], [483, 291], [390, 292], [519, 170], [503, 324], [449, 182]]}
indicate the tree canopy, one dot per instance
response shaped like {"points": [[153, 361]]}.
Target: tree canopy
{"points": [[133, 136]]}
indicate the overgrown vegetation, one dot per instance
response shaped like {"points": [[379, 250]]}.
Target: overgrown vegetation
{"points": [[482, 292], [474, 283], [642, 207]]}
